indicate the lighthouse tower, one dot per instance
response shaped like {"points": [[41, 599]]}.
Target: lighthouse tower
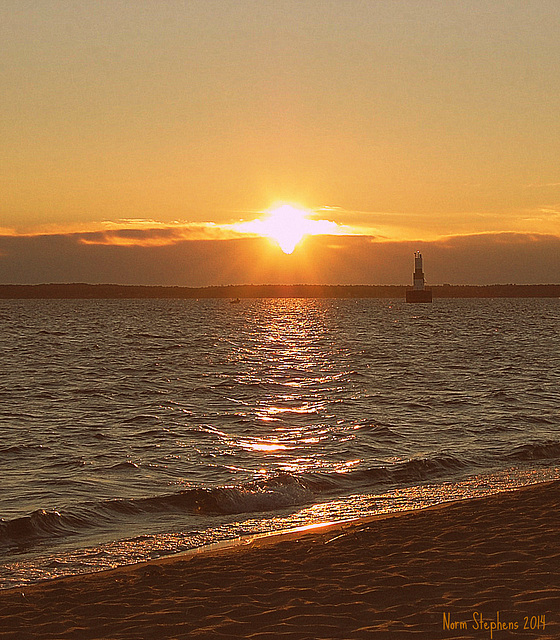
{"points": [[418, 277], [418, 293]]}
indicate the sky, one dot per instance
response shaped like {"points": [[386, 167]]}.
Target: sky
{"points": [[145, 142]]}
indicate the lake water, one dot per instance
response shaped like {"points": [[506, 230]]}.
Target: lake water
{"points": [[133, 429]]}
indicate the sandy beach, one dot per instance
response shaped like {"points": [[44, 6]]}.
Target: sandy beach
{"points": [[479, 568]]}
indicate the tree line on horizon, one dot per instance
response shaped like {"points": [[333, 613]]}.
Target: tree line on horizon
{"points": [[116, 291]]}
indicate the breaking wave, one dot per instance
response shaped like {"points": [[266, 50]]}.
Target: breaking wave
{"points": [[277, 492], [541, 450]]}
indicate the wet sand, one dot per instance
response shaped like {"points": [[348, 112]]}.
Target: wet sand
{"points": [[484, 568]]}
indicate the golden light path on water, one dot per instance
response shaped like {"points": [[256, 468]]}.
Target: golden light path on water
{"points": [[299, 364]]}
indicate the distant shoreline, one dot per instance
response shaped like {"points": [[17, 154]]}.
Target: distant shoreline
{"points": [[115, 291]]}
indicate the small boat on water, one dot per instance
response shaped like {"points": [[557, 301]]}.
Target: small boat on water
{"points": [[235, 301]]}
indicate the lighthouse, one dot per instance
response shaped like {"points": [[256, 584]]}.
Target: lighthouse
{"points": [[418, 293]]}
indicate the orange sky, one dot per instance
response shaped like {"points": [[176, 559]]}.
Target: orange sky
{"points": [[423, 122]]}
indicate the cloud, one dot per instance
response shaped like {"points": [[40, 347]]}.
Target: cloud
{"points": [[194, 257], [552, 211], [156, 237], [130, 231], [132, 237], [541, 185]]}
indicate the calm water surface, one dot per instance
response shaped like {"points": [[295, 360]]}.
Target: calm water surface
{"points": [[133, 429]]}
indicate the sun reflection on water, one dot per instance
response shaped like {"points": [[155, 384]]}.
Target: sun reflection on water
{"points": [[263, 446], [288, 368]]}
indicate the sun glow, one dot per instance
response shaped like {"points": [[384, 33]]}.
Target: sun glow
{"points": [[288, 225]]}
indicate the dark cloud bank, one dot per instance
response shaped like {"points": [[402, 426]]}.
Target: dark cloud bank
{"points": [[476, 259]]}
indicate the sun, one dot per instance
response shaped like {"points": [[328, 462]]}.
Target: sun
{"points": [[287, 225]]}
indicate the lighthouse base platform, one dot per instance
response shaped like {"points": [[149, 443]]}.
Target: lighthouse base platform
{"points": [[419, 295]]}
